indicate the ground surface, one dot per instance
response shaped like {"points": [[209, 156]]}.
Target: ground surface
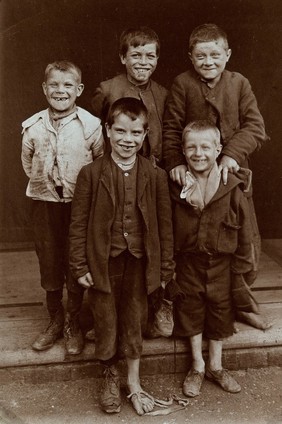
{"points": [[76, 402]]}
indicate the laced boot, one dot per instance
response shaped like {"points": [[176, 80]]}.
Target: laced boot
{"points": [[74, 341], [110, 398], [54, 331]]}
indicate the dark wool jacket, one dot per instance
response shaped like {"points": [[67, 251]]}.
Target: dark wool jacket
{"points": [[93, 212], [231, 105], [154, 98], [222, 227]]}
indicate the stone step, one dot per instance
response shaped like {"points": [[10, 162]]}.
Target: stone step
{"points": [[248, 348]]}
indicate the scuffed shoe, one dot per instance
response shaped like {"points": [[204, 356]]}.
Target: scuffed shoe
{"points": [[90, 335], [110, 398], [74, 341], [53, 332], [193, 383], [224, 380], [162, 323]]}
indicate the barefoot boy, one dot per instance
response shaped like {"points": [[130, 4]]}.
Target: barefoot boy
{"points": [[209, 91], [121, 247], [213, 245]]}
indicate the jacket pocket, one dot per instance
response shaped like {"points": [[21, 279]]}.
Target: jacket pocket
{"points": [[227, 237]]}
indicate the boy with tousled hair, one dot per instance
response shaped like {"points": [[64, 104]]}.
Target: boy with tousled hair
{"points": [[56, 143], [139, 52], [209, 91], [121, 247], [213, 253]]}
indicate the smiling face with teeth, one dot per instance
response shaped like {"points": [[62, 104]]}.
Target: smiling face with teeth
{"points": [[61, 89], [126, 137], [201, 149], [140, 63]]}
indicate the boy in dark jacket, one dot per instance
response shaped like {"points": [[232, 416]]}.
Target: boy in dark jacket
{"points": [[213, 247], [139, 51], [209, 91], [121, 247]]}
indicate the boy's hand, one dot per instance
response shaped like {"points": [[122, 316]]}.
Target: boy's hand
{"points": [[227, 164], [86, 281], [177, 174]]}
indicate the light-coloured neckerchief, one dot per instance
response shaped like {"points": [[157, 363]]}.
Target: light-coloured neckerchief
{"points": [[191, 191]]}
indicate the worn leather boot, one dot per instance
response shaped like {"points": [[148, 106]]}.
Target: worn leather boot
{"points": [[54, 331], [74, 341], [110, 397]]}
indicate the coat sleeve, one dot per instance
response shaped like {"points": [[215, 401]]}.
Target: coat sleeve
{"points": [[251, 134], [27, 153], [165, 226], [173, 125], [98, 144], [99, 100], [81, 205], [242, 260]]}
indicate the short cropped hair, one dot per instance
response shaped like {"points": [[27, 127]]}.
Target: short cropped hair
{"points": [[138, 37], [206, 32], [202, 125], [129, 106], [63, 66]]}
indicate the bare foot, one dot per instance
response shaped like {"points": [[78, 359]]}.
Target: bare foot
{"points": [[142, 402], [255, 320]]}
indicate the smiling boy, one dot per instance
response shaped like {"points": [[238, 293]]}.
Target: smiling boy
{"points": [[209, 91], [212, 234], [139, 52], [121, 247], [56, 143]]}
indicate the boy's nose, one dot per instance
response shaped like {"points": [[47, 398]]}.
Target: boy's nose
{"points": [[143, 60], [208, 60], [60, 89], [198, 151], [127, 138]]}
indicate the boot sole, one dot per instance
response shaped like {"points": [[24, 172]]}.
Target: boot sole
{"points": [[112, 411]]}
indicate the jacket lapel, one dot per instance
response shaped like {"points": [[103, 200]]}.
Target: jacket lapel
{"points": [[107, 178]]}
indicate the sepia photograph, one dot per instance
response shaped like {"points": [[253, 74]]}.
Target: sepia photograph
{"points": [[141, 212]]}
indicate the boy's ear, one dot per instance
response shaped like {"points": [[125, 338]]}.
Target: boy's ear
{"points": [[44, 87], [218, 149], [122, 59], [190, 56], [80, 89], [107, 129], [145, 133], [228, 54]]}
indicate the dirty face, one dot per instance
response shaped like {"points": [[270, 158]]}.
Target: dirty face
{"points": [[140, 62], [61, 90], [201, 151], [126, 137], [209, 59]]}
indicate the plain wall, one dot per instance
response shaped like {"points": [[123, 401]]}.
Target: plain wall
{"points": [[36, 32]]}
